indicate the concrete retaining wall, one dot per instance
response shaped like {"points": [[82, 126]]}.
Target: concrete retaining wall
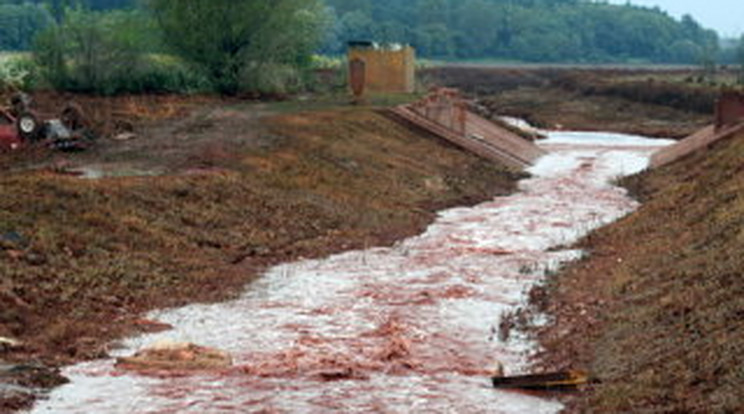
{"points": [[729, 120]]}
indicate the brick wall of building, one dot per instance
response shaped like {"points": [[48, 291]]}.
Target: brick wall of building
{"points": [[387, 69], [729, 109]]}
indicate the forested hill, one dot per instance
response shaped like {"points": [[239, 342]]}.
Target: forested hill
{"points": [[522, 30], [22, 20], [527, 30]]}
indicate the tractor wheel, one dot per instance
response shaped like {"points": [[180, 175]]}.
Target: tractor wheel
{"points": [[29, 127]]}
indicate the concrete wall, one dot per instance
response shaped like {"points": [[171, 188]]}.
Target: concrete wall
{"points": [[729, 120], [387, 69], [444, 113], [729, 109]]}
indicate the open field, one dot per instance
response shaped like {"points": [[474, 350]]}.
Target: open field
{"points": [[653, 102]]}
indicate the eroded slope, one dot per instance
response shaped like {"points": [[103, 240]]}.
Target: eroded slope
{"points": [[80, 259], [657, 311]]}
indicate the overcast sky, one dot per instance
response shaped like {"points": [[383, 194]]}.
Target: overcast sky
{"points": [[724, 16]]}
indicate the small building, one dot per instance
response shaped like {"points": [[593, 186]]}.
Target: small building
{"points": [[729, 109], [381, 68]]}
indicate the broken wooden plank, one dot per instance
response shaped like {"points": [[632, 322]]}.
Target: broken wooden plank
{"points": [[558, 381]]}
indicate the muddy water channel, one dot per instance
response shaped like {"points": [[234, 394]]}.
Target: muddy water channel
{"points": [[410, 328]]}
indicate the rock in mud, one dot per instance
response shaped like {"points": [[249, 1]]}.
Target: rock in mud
{"points": [[176, 356], [14, 398], [31, 375], [13, 241], [124, 136], [20, 385]]}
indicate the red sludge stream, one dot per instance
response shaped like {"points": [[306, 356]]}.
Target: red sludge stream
{"points": [[411, 328]]}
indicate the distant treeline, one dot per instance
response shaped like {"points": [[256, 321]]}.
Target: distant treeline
{"points": [[525, 30], [22, 20], [521, 30]]}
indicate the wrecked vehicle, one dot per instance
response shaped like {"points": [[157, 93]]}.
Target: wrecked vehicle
{"points": [[21, 126], [10, 138]]}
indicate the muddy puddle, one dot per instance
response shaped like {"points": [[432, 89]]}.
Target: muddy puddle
{"points": [[412, 328]]}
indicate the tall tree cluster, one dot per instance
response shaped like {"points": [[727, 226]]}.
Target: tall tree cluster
{"points": [[228, 38], [232, 45], [20, 22], [525, 30]]}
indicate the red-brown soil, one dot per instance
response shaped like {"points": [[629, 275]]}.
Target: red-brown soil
{"points": [[656, 311], [244, 185], [241, 187]]}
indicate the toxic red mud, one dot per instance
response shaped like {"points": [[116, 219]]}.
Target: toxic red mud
{"points": [[410, 328]]}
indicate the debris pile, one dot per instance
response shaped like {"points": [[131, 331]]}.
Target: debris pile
{"points": [[178, 356]]}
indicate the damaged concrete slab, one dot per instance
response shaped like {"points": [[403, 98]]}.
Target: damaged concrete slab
{"points": [[445, 114]]}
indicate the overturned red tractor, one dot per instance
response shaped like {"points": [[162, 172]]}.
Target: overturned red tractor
{"points": [[21, 126]]}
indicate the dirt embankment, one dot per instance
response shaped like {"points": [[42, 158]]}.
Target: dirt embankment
{"points": [[653, 103], [657, 311], [82, 259]]}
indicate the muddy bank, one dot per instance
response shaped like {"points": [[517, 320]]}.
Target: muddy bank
{"points": [[400, 329], [84, 258], [656, 311]]}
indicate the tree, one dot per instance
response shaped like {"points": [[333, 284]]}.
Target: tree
{"points": [[92, 51], [19, 24], [740, 60], [226, 38], [356, 26], [534, 30]]}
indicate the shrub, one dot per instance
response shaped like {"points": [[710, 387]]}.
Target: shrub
{"points": [[244, 45], [163, 74], [105, 53], [18, 72]]}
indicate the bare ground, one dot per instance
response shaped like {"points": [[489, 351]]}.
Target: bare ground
{"points": [[655, 311], [238, 186], [644, 102]]}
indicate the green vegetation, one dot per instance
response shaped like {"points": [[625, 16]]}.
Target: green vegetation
{"points": [[740, 60], [534, 31], [22, 20], [109, 53], [263, 46], [161, 46], [17, 71], [20, 23], [236, 43]]}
